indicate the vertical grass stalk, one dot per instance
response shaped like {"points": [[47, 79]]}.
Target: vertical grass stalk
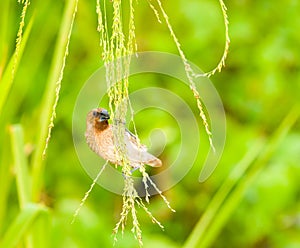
{"points": [[51, 95], [21, 225], [215, 204], [4, 34], [6, 178], [204, 237], [21, 165], [7, 78]]}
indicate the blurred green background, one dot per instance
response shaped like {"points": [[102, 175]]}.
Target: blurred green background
{"points": [[260, 85]]}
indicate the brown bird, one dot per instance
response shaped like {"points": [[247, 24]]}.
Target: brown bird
{"points": [[99, 137]]}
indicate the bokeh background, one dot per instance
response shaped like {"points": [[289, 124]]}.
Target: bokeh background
{"points": [[259, 86]]}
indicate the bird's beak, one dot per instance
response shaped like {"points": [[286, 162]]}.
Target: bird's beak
{"points": [[104, 115], [104, 118]]}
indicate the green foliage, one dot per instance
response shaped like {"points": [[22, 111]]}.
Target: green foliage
{"points": [[22, 224], [251, 200]]}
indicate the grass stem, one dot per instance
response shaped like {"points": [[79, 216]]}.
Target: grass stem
{"points": [[212, 221]]}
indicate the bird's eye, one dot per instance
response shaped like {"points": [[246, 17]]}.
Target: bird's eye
{"points": [[95, 113]]}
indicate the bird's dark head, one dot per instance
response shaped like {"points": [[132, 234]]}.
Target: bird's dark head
{"points": [[100, 114]]}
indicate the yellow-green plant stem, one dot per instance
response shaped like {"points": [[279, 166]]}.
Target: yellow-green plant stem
{"points": [[51, 95], [21, 169], [6, 178], [21, 225], [7, 79], [19, 35], [87, 193], [204, 237], [220, 196], [4, 43], [21, 165], [191, 75], [41, 229], [221, 63]]}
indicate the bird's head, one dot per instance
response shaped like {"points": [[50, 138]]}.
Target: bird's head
{"points": [[100, 115], [97, 119]]}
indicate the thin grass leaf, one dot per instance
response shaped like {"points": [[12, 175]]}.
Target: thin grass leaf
{"points": [[208, 217], [21, 225], [7, 79], [21, 165], [40, 233], [51, 94], [6, 178], [237, 194], [4, 35]]}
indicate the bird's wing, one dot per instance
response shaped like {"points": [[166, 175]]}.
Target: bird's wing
{"points": [[137, 153], [134, 140]]}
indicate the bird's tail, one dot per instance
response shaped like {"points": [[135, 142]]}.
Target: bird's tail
{"points": [[155, 162]]}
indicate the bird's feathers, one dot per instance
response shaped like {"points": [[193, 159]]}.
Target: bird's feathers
{"points": [[99, 137]]}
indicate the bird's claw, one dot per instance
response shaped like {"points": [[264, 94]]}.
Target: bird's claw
{"points": [[133, 170]]}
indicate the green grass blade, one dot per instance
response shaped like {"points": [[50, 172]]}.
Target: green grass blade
{"points": [[50, 94], [7, 79], [217, 201], [21, 224], [41, 231], [21, 165], [4, 17], [237, 194], [204, 237], [6, 178]]}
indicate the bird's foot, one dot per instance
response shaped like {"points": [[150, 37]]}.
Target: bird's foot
{"points": [[133, 170]]}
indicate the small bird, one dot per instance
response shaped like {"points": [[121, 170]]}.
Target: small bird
{"points": [[100, 138]]}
